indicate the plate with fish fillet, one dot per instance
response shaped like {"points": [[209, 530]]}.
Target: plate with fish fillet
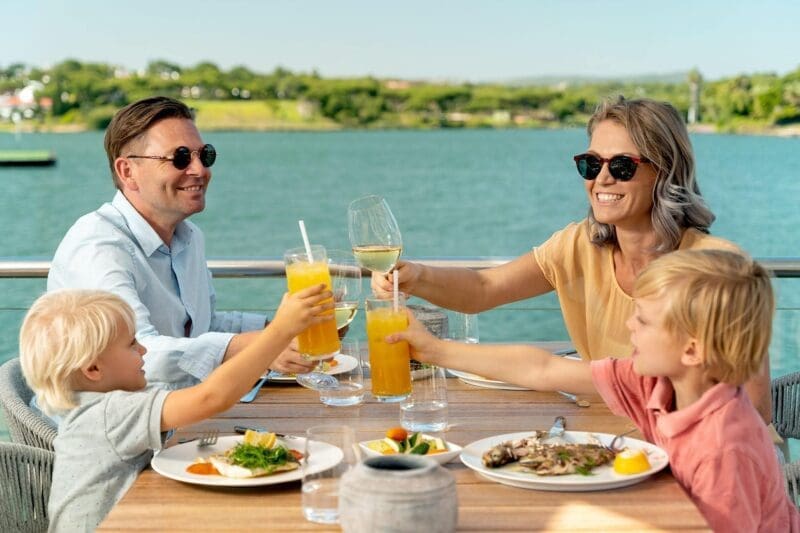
{"points": [[578, 461], [175, 462]]}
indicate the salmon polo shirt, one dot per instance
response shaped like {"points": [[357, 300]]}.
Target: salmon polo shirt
{"points": [[719, 448]]}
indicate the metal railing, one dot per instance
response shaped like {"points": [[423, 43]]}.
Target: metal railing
{"points": [[268, 267]]}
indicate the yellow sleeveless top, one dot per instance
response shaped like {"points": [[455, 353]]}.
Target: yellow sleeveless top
{"points": [[594, 306]]}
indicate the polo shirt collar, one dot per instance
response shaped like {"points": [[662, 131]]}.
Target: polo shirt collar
{"points": [[143, 232], [673, 423]]}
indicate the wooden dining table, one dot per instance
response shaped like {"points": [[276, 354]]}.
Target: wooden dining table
{"points": [[156, 503]]}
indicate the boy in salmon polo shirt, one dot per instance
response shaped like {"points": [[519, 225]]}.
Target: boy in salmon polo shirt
{"points": [[701, 328], [80, 356]]}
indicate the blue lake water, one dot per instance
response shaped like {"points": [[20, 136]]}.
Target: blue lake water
{"points": [[454, 194]]}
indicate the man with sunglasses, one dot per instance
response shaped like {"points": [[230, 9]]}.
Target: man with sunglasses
{"points": [[141, 247]]}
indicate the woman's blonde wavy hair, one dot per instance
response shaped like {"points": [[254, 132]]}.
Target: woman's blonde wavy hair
{"points": [[660, 135], [721, 298], [63, 332]]}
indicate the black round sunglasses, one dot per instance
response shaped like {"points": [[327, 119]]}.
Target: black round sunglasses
{"points": [[621, 167], [182, 156]]}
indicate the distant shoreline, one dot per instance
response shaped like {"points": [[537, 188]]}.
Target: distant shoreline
{"points": [[707, 129]]}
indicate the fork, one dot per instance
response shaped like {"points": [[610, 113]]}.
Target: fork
{"points": [[612, 445], [206, 438]]}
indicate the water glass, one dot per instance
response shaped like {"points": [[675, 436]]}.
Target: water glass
{"points": [[426, 408], [462, 327], [320, 489], [350, 387]]}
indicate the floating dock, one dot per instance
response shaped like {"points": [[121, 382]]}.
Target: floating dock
{"points": [[27, 158]]}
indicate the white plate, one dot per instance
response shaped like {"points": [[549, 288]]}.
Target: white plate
{"points": [[346, 363], [173, 461], [486, 383], [443, 457], [602, 478]]}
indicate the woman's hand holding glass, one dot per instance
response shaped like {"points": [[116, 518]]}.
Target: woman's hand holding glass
{"points": [[374, 234], [407, 275]]}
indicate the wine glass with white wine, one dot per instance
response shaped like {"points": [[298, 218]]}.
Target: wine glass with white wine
{"points": [[374, 234], [346, 286]]}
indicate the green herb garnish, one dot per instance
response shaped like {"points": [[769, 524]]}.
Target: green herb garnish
{"points": [[585, 469], [249, 456]]}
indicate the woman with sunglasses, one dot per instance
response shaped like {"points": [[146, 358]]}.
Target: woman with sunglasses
{"points": [[644, 201]]}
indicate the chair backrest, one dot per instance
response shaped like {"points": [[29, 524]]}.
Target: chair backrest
{"points": [[786, 405], [792, 473], [26, 425], [26, 473]]}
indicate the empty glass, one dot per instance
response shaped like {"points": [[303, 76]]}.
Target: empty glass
{"points": [[462, 327], [349, 386], [425, 409], [320, 490]]}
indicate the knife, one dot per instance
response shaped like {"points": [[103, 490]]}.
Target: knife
{"points": [[250, 396], [557, 430], [241, 430]]}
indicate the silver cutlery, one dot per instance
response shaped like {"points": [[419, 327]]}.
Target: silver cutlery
{"points": [[580, 402], [613, 444], [241, 430], [206, 438], [250, 396], [558, 428]]}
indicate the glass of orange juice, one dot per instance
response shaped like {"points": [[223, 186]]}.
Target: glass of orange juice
{"points": [[319, 341], [389, 363]]}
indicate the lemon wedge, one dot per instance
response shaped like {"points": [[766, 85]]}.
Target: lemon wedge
{"points": [[628, 462], [380, 447], [263, 440]]}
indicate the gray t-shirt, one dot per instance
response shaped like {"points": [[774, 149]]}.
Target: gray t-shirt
{"points": [[101, 447]]}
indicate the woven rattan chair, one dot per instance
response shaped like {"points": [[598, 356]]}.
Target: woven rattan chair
{"points": [[26, 425], [792, 473], [25, 476], [786, 405]]}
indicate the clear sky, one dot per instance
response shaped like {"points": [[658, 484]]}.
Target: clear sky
{"points": [[465, 40]]}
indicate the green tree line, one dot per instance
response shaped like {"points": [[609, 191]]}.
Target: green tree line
{"points": [[89, 93]]}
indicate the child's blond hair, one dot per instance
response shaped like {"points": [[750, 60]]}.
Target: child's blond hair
{"points": [[63, 332], [724, 299]]}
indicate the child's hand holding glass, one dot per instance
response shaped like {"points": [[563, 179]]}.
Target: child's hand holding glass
{"points": [[424, 346], [302, 309]]}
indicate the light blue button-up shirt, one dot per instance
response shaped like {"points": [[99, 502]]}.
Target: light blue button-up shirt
{"points": [[115, 249]]}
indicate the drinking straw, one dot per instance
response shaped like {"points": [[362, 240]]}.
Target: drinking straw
{"points": [[305, 240], [395, 303]]}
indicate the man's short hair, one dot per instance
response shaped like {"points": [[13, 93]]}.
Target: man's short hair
{"points": [[722, 298], [132, 121], [63, 332]]}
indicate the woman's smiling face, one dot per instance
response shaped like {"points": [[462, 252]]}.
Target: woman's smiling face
{"points": [[625, 204]]}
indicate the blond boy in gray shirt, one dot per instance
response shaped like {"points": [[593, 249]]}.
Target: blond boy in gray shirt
{"points": [[81, 358]]}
